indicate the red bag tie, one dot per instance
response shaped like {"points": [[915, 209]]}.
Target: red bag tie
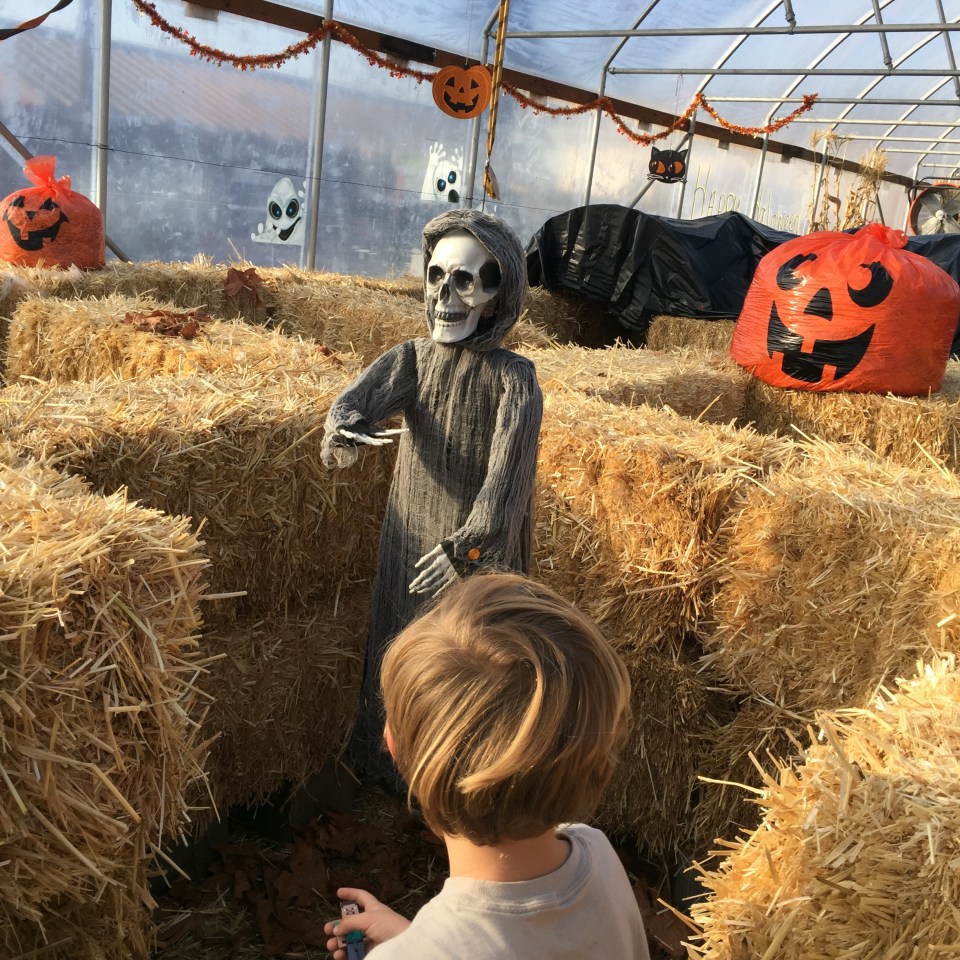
{"points": [[884, 234], [40, 172]]}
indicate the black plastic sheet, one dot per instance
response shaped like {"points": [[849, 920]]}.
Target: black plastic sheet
{"points": [[641, 265]]}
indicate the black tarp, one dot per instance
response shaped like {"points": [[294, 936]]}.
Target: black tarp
{"points": [[641, 265]]}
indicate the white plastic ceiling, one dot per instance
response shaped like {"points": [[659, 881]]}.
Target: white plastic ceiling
{"points": [[753, 60]]}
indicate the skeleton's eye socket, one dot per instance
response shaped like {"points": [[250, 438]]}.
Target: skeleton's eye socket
{"points": [[276, 211], [435, 275], [293, 208], [463, 281]]}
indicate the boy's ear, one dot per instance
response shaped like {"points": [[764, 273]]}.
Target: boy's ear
{"points": [[388, 739]]}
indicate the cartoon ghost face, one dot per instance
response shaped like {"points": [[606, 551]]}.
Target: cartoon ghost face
{"points": [[284, 212]]}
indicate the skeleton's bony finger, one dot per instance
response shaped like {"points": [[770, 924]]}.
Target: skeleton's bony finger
{"points": [[372, 439], [392, 432], [426, 577], [433, 556]]}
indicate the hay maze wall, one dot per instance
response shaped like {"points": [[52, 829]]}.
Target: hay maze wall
{"points": [[749, 574]]}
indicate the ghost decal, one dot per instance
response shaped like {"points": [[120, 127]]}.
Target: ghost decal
{"points": [[285, 213], [443, 179]]}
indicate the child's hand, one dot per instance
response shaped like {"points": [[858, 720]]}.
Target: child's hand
{"points": [[378, 922]]}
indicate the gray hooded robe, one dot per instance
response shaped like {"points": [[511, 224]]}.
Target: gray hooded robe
{"points": [[465, 470]]}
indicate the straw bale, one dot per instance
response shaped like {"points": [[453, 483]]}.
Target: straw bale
{"points": [[569, 318], [909, 430], [286, 690], [239, 452], [731, 764], [650, 795], [347, 314], [666, 333], [858, 854], [99, 730], [628, 503], [700, 384], [837, 573], [60, 340]]}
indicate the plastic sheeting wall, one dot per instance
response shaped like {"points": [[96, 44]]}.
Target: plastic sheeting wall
{"points": [[198, 152]]}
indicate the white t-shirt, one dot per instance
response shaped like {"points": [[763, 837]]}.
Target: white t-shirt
{"points": [[583, 909]]}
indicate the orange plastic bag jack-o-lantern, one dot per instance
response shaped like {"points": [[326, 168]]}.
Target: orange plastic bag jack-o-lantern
{"points": [[49, 224], [462, 93], [839, 311]]}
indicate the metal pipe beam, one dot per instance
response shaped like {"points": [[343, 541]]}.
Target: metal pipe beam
{"points": [[470, 174], [756, 31], [598, 114], [316, 167], [688, 140], [782, 72], [755, 197], [884, 46], [103, 108], [866, 136], [949, 46], [864, 122], [841, 101]]}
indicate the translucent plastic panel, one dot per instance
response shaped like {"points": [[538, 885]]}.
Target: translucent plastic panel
{"points": [[48, 91], [541, 166], [196, 148]]}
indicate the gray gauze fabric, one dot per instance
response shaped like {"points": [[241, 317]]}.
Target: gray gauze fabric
{"points": [[465, 470]]}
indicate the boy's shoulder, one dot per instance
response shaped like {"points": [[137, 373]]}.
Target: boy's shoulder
{"points": [[556, 915]]}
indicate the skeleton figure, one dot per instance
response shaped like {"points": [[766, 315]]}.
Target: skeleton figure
{"points": [[463, 484]]}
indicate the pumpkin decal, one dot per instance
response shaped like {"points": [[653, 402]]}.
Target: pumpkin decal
{"points": [[462, 92], [838, 311], [49, 224]]}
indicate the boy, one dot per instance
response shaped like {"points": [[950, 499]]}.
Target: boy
{"points": [[505, 708]]}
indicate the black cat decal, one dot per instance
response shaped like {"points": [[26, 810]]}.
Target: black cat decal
{"points": [[667, 166]]}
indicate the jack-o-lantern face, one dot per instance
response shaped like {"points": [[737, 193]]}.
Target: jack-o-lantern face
{"points": [[32, 223], [462, 93], [810, 345], [50, 224], [837, 311]]}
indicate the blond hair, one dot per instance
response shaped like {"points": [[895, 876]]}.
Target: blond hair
{"points": [[506, 707]]}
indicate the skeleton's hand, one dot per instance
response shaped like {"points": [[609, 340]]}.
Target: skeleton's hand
{"points": [[376, 438], [436, 574]]}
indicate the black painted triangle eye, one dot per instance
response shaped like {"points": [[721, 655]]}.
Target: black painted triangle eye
{"points": [[786, 277], [878, 288]]}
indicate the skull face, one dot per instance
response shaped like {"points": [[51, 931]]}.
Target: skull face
{"points": [[462, 283]]}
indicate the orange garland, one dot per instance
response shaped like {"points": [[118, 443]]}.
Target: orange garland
{"points": [[266, 60]]}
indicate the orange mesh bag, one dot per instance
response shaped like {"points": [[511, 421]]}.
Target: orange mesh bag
{"points": [[49, 224], [839, 311]]}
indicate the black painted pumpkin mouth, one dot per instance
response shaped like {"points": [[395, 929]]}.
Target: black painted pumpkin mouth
{"points": [[808, 367], [32, 240], [461, 105]]}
